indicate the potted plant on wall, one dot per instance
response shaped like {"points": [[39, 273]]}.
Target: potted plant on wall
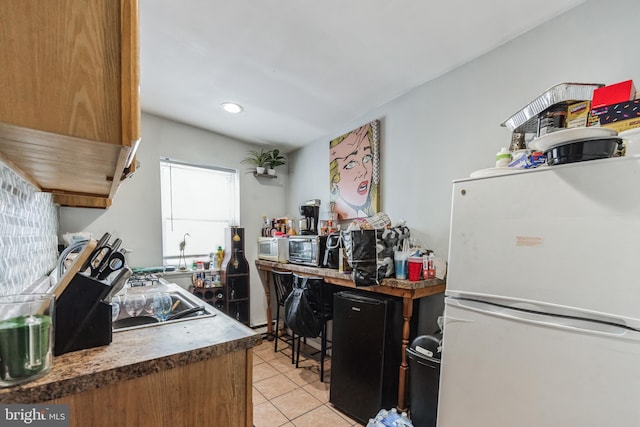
{"points": [[258, 159], [274, 159]]}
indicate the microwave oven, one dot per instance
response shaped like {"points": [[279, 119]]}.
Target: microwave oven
{"points": [[273, 249], [307, 250]]}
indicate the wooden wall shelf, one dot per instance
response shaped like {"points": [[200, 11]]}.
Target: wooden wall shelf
{"points": [[263, 175]]}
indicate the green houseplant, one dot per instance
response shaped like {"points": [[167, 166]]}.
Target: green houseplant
{"points": [[275, 159], [258, 159]]}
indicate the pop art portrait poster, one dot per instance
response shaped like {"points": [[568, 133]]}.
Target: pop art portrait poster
{"points": [[354, 163]]}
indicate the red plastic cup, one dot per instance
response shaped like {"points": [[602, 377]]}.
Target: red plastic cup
{"points": [[415, 268]]}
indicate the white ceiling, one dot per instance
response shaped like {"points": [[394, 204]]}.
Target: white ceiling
{"points": [[304, 69]]}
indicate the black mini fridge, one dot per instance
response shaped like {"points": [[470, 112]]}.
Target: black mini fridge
{"points": [[366, 353]]}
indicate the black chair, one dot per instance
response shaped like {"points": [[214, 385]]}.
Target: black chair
{"points": [[321, 298], [283, 284]]}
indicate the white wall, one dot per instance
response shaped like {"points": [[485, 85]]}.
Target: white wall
{"points": [[450, 127], [135, 214]]}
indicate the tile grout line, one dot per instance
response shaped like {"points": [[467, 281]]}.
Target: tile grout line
{"points": [[298, 388]]}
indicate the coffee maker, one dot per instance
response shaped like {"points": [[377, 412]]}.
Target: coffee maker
{"points": [[310, 212]]}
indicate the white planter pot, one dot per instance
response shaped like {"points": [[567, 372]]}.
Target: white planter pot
{"points": [[271, 171], [260, 170]]}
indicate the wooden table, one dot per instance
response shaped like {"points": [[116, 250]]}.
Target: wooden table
{"points": [[404, 289]]}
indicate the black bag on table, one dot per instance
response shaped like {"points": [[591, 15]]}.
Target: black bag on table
{"points": [[300, 311], [370, 252]]}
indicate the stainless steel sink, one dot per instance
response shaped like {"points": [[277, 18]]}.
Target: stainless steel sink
{"points": [[184, 307]]}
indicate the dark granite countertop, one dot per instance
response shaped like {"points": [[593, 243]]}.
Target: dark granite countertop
{"points": [[135, 353]]}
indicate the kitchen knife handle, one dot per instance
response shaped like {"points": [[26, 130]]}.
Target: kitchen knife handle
{"points": [[102, 242], [104, 239], [116, 245]]}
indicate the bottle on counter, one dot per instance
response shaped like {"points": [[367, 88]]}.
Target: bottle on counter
{"points": [[215, 280], [431, 267], [266, 228], [220, 256]]}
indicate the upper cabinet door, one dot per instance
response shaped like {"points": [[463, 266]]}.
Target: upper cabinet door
{"points": [[70, 110]]}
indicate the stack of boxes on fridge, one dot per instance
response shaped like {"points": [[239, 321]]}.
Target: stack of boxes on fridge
{"points": [[568, 106], [614, 106]]}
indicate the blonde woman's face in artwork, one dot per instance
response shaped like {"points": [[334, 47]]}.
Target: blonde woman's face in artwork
{"points": [[355, 163]]}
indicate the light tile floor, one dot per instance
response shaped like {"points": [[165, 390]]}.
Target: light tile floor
{"points": [[286, 396]]}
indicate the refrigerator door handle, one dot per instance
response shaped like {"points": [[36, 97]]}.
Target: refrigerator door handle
{"points": [[546, 320]]}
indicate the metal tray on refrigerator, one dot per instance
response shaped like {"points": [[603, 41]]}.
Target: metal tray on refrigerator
{"points": [[563, 92]]}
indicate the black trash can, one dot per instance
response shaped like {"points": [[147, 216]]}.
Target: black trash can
{"points": [[424, 378]]}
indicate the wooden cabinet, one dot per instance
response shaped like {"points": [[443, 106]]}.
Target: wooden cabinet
{"points": [[235, 276], [70, 111], [212, 392], [231, 298], [209, 288]]}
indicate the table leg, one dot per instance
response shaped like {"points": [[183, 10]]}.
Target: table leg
{"points": [[407, 312], [265, 279]]}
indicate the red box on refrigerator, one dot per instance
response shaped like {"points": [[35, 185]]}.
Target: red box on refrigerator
{"points": [[612, 94]]}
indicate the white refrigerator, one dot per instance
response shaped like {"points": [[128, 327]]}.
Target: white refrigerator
{"points": [[542, 307]]}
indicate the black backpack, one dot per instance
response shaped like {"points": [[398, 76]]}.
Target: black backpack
{"points": [[300, 313]]}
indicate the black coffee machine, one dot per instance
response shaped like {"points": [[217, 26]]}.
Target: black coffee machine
{"points": [[310, 212]]}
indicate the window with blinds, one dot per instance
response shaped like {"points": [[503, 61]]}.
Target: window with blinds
{"points": [[198, 203]]}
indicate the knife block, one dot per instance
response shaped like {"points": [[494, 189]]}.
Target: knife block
{"points": [[82, 318]]}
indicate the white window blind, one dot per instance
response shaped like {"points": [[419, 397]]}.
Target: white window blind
{"points": [[199, 200]]}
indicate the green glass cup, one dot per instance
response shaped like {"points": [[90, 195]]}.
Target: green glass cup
{"points": [[26, 337]]}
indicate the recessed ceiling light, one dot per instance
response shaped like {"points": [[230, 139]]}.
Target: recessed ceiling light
{"points": [[232, 107]]}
